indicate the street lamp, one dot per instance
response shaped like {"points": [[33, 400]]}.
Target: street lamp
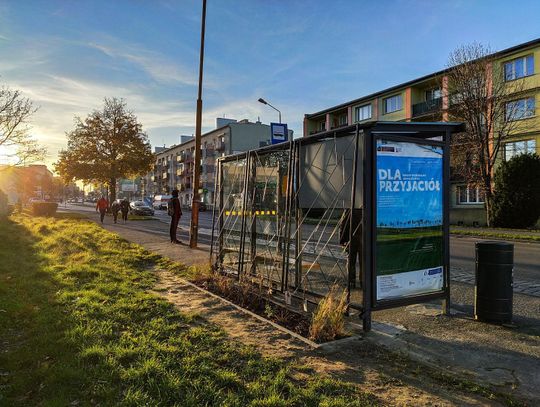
{"points": [[264, 102]]}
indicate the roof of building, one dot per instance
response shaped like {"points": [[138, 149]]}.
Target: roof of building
{"points": [[237, 123], [506, 51]]}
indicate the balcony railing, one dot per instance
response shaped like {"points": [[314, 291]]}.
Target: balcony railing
{"points": [[427, 107]]}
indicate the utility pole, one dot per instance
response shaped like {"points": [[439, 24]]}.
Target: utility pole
{"points": [[194, 229]]}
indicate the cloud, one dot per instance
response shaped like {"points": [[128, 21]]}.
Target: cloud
{"points": [[153, 63]]}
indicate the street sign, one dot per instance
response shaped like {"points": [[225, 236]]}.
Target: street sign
{"points": [[279, 132]]}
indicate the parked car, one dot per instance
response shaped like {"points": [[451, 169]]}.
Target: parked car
{"points": [[202, 206], [161, 201], [140, 208]]}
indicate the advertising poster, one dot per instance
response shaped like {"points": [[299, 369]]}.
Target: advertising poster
{"points": [[409, 238]]}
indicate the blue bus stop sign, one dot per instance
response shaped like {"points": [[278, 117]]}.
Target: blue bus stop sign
{"points": [[280, 133]]}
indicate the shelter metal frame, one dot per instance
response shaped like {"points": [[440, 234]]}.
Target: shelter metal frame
{"points": [[269, 242]]}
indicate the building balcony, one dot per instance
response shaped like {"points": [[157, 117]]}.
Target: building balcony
{"points": [[185, 157], [427, 107], [338, 126], [209, 153]]}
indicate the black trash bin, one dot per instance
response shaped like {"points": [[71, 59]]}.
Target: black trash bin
{"points": [[493, 294]]}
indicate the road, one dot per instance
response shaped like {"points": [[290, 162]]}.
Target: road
{"points": [[462, 250]]}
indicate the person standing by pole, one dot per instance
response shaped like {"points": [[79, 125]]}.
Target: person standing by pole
{"points": [[175, 212], [102, 206]]}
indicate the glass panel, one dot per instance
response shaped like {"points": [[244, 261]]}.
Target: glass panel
{"points": [[531, 147], [520, 147], [530, 107], [462, 194], [409, 212], [519, 67], [508, 151], [530, 65], [232, 207], [508, 71], [481, 196], [266, 216]]}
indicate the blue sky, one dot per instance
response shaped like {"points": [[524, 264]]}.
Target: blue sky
{"points": [[302, 56]]}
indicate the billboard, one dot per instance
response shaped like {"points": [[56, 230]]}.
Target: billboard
{"points": [[409, 246]]}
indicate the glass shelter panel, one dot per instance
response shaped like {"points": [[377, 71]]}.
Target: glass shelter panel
{"points": [[324, 191], [232, 207], [266, 220]]}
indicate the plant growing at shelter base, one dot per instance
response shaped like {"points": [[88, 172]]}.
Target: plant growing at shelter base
{"points": [[328, 321]]}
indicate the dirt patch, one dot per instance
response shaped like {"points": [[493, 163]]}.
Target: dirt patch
{"points": [[394, 380]]}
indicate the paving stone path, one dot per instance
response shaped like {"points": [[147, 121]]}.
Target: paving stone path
{"points": [[520, 286]]}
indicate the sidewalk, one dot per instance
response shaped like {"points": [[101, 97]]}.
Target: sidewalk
{"points": [[505, 358]]}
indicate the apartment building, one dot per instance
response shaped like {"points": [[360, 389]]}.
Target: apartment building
{"points": [[175, 165], [427, 99]]}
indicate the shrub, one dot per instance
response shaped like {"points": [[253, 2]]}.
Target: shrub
{"points": [[44, 208], [516, 202], [328, 321]]}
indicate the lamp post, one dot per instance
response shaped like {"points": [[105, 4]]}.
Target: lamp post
{"points": [[264, 102], [194, 227]]}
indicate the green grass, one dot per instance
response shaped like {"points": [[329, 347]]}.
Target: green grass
{"points": [[80, 327], [496, 234]]}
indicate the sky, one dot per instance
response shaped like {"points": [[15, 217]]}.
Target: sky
{"points": [[301, 56]]}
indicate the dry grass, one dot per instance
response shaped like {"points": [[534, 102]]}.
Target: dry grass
{"points": [[328, 322]]}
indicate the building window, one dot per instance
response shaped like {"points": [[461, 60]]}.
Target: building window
{"points": [[519, 147], [433, 94], [362, 113], [469, 195], [322, 126], [519, 68], [520, 109], [393, 104], [342, 119]]}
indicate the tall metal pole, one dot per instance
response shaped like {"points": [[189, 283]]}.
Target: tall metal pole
{"points": [[194, 229]]}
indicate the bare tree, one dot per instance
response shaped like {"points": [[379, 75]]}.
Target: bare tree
{"points": [[17, 146], [480, 96]]}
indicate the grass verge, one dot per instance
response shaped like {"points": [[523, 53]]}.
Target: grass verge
{"points": [[79, 327], [496, 234]]}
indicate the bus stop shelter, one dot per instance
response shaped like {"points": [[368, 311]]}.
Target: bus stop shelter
{"points": [[363, 209]]}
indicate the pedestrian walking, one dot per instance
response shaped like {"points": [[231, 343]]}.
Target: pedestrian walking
{"points": [[102, 206], [124, 207], [175, 212], [115, 208], [352, 242]]}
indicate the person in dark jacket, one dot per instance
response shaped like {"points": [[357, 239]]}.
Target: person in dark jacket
{"points": [[124, 207], [176, 214], [115, 208], [352, 242]]}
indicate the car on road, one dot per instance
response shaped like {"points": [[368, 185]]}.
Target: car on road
{"points": [[140, 208], [161, 201], [202, 206]]}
